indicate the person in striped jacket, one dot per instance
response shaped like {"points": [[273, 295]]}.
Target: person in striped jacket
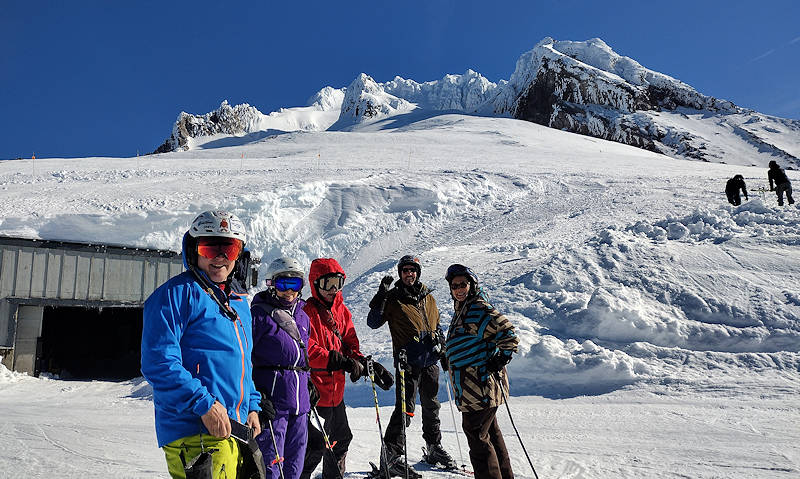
{"points": [[480, 342]]}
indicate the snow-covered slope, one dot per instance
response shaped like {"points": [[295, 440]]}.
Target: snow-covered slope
{"points": [[627, 275], [599, 242]]}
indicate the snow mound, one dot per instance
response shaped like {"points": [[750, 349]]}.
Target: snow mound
{"points": [[327, 99], [751, 218], [550, 366], [7, 376], [635, 285]]}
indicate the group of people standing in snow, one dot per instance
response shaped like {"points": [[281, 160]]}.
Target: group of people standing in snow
{"points": [[778, 182], [222, 370]]}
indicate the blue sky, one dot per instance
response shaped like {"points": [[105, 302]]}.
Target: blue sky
{"points": [[97, 78]]}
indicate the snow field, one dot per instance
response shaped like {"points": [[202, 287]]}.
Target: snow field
{"points": [[658, 325]]}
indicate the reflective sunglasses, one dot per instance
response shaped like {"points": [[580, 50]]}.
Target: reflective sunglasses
{"points": [[331, 281], [285, 283], [455, 286], [212, 247], [409, 269]]}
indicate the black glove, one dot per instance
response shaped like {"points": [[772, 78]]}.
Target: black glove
{"points": [[267, 409], [383, 290], [336, 361], [498, 362], [383, 378], [313, 393], [356, 369]]}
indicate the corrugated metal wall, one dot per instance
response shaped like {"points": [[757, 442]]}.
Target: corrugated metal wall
{"points": [[36, 273], [94, 273]]}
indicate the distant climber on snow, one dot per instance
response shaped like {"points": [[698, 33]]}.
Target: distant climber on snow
{"points": [[732, 188], [779, 183]]}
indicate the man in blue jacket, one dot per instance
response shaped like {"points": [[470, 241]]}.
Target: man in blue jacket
{"points": [[196, 351]]}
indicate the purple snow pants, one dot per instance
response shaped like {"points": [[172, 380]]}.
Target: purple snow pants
{"points": [[291, 435]]}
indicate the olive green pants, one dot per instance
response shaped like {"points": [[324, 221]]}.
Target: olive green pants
{"points": [[225, 455]]}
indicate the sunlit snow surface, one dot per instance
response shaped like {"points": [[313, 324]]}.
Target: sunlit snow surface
{"points": [[660, 327]]}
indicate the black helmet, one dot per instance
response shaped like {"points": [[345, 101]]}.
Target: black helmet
{"points": [[773, 164], [409, 260], [738, 177], [461, 270]]}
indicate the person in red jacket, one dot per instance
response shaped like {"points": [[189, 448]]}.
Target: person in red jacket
{"points": [[332, 352]]}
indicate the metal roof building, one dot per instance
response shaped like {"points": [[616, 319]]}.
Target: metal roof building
{"points": [[75, 309]]}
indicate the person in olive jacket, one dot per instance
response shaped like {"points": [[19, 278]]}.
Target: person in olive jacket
{"points": [[413, 317]]}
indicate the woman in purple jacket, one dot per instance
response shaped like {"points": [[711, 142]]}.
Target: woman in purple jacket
{"points": [[280, 367]]}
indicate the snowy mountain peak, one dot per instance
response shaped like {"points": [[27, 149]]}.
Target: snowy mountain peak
{"points": [[582, 87], [587, 88], [226, 119], [365, 100], [591, 73], [328, 98], [466, 92]]}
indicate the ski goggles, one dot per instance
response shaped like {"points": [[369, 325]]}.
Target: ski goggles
{"points": [[285, 283], [331, 281], [210, 247]]}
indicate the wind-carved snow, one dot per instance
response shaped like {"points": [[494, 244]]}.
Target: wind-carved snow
{"points": [[466, 92], [635, 286]]}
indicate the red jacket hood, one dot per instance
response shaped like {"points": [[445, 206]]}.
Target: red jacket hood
{"points": [[319, 268]]}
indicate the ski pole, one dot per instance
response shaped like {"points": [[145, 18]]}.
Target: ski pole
{"points": [[278, 459], [508, 408], [403, 359], [371, 373], [453, 415], [328, 444]]}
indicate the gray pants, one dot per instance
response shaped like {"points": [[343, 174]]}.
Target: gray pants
{"points": [[780, 189]]}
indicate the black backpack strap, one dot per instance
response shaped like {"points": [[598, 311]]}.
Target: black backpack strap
{"points": [[206, 286], [269, 309]]}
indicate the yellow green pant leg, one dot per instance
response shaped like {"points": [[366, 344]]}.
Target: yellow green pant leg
{"points": [[225, 458]]}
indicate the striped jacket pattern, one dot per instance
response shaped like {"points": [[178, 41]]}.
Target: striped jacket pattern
{"points": [[477, 332]]}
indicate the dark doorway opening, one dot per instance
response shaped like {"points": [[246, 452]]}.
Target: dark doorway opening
{"points": [[90, 343]]}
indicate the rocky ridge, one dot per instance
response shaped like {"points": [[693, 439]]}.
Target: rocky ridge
{"points": [[581, 87]]}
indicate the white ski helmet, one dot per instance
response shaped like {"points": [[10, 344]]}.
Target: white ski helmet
{"points": [[285, 266], [218, 223]]}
